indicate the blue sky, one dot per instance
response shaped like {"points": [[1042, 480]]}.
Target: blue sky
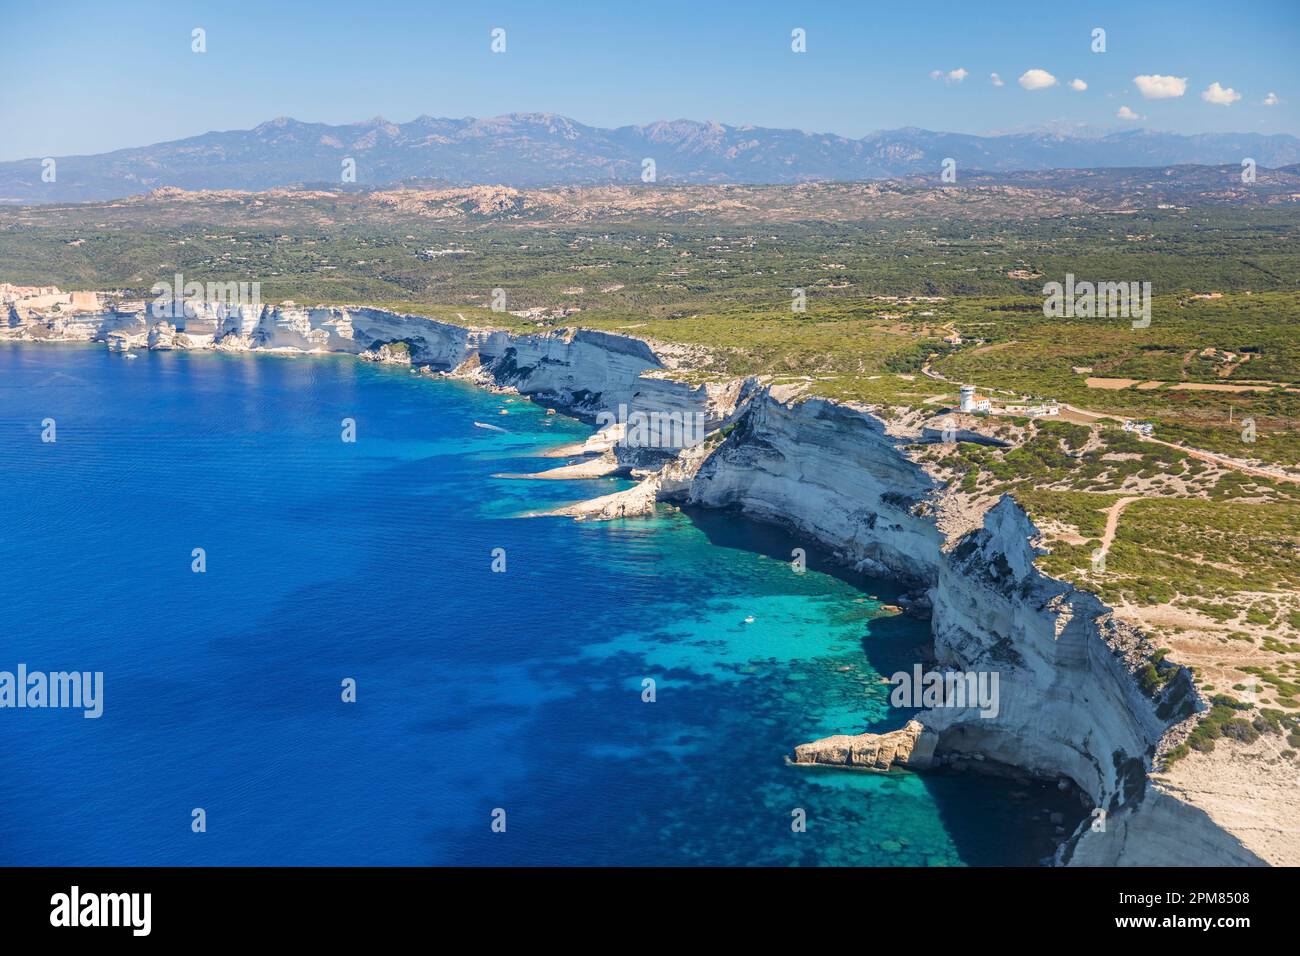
{"points": [[83, 77]]}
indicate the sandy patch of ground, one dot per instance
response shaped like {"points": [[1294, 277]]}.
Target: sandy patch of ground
{"points": [[1079, 417], [1110, 383], [1249, 789], [1057, 531], [1216, 387]]}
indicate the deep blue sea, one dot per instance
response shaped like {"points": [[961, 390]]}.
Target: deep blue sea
{"points": [[476, 690]]}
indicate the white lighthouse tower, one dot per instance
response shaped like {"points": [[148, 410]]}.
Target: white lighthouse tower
{"points": [[967, 399]]}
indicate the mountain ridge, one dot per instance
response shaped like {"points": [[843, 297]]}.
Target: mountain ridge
{"points": [[530, 150]]}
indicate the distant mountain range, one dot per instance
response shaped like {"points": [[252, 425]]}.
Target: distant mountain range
{"points": [[542, 149]]}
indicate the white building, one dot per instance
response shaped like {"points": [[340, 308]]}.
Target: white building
{"points": [[970, 405], [1032, 411]]}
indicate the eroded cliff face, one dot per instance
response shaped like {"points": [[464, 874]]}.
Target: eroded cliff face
{"points": [[831, 472], [586, 372], [1070, 702], [245, 328], [583, 371]]}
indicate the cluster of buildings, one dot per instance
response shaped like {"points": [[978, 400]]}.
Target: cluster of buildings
{"points": [[971, 405], [47, 297], [542, 313], [953, 338]]}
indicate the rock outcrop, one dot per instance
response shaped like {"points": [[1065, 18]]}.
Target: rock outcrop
{"points": [[634, 502], [389, 353], [910, 746]]}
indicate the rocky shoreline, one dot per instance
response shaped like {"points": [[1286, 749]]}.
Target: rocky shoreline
{"points": [[1071, 703]]}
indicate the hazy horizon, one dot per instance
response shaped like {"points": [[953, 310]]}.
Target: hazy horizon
{"points": [[1081, 131], [69, 91]]}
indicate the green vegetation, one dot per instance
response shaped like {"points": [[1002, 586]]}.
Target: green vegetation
{"points": [[1208, 556], [1207, 549], [1084, 512], [1225, 720], [1023, 351]]}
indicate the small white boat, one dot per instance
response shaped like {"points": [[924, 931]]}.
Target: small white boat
{"points": [[491, 428]]}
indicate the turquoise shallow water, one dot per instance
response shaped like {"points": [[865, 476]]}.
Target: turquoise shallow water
{"points": [[476, 690]]}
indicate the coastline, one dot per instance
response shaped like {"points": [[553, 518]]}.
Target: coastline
{"points": [[839, 474]]}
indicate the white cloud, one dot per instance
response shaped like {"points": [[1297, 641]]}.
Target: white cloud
{"points": [[1127, 114], [1037, 79], [995, 79], [1157, 87], [1220, 95], [1078, 85], [952, 76], [1271, 99]]}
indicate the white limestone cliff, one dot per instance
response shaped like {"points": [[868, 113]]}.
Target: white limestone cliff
{"points": [[1070, 702]]}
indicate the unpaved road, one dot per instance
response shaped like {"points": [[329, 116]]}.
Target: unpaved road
{"points": [[1112, 521]]}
